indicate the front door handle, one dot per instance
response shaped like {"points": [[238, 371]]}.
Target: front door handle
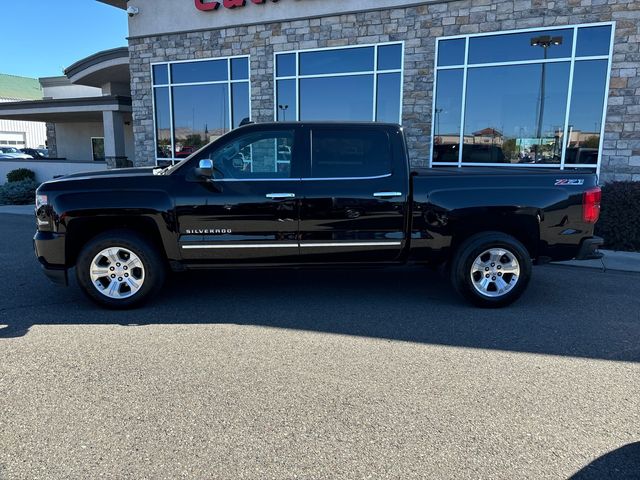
{"points": [[387, 194], [278, 196]]}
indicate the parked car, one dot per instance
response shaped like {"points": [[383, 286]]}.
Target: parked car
{"points": [[581, 155], [37, 153], [184, 152], [347, 198], [14, 153]]}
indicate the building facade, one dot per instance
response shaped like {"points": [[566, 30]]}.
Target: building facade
{"points": [[87, 111], [473, 82], [20, 133]]}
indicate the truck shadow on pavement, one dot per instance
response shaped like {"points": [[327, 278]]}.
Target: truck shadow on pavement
{"points": [[566, 311], [620, 464]]}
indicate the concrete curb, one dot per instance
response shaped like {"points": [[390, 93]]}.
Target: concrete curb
{"points": [[17, 209], [612, 260]]}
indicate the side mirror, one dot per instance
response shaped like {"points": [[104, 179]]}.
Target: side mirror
{"points": [[205, 168]]}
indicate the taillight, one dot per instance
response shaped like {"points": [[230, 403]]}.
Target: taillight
{"points": [[591, 205]]}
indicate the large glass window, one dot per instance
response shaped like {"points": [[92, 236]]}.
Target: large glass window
{"points": [[446, 117], [352, 83], [505, 119], [522, 98], [196, 102]]}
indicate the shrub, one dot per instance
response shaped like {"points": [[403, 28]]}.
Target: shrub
{"points": [[21, 174], [18, 193], [619, 222]]}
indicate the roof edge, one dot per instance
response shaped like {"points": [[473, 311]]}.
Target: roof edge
{"points": [[68, 102], [95, 59], [54, 81], [116, 3]]}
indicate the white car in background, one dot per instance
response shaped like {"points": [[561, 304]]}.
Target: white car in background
{"points": [[8, 153]]}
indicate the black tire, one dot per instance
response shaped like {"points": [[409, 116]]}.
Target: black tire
{"points": [[462, 277], [153, 268]]}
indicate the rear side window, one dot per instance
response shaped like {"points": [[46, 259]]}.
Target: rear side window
{"points": [[338, 153]]}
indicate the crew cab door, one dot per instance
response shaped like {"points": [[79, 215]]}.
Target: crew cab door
{"points": [[249, 212], [355, 194]]}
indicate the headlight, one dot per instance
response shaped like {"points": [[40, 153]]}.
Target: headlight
{"points": [[41, 200]]}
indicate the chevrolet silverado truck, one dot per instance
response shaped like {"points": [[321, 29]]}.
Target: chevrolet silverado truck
{"points": [[309, 194]]}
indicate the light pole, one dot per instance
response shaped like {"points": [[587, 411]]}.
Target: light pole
{"points": [[545, 42], [284, 111]]}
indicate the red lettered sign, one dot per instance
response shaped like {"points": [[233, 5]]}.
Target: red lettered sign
{"points": [[207, 6]]}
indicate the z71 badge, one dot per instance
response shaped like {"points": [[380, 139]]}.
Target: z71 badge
{"points": [[570, 181]]}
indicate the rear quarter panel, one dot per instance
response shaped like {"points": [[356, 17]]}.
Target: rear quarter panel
{"points": [[545, 217]]}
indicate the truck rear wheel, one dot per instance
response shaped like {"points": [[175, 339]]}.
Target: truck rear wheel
{"points": [[491, 269], [120, 269]]}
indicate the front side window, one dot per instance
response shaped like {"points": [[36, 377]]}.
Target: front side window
{"points": [[257, 155], [196, 102], [361, 83], [526, 98], [349, 153]]}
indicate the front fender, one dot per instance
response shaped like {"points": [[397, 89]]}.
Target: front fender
{"points": [[150, 211]]}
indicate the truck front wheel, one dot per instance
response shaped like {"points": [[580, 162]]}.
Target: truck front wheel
{"points": [[119, 269], [491, 269]]}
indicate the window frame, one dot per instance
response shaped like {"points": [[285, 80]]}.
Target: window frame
{"points": [[375, 72], [170, 85], [465, 66]]}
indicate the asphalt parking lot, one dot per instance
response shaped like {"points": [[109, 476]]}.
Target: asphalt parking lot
{"points": [[318, 374]]}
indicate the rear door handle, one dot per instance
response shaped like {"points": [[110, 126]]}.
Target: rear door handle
{"points": [[387, 194], [277, 196]]}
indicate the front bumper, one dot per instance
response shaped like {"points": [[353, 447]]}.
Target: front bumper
{"points": [[589, 249], [56, 275], [49, 248]]}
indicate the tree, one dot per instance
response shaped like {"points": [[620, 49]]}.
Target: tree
{"points": [[592, 142], [509, 148]]}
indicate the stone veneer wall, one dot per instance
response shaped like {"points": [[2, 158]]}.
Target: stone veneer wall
{"points": [[418, 26], [52, 145]]}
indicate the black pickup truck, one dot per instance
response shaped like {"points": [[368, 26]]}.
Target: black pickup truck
{"points": [[305, 194]]}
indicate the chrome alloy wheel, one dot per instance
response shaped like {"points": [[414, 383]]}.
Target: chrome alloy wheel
{"points": [[117, 272], [495, 272]]}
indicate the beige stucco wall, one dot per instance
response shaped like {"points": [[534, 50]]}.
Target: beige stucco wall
{"points": [[74, 140], [49, 169], [70, 91]]}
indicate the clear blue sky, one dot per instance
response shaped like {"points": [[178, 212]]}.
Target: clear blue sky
{"points": [[40, 38]]}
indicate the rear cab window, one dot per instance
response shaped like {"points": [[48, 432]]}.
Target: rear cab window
{"points": [[351, 152]]}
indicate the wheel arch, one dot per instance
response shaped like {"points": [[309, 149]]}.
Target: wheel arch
{"points": [[523, 226], [81, 230]]}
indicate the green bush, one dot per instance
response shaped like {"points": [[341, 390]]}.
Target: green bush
{"points": [[619, 222], [21, 174], [18, 193]]}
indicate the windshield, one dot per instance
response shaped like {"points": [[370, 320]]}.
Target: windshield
{"points": [[9, 150]]}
